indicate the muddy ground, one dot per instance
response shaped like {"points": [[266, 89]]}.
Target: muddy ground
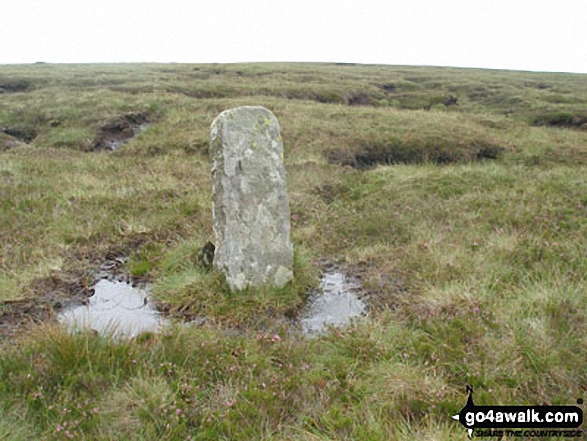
{"points": [[8, 142], [47, 297], [119, 131], [43, 299], [21, 134]]}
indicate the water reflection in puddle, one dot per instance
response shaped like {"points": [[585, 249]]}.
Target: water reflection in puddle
{"points": [[116, 307], [334, 305]]}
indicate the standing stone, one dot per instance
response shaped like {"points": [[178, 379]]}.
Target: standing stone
{"points": [[250, 207]]}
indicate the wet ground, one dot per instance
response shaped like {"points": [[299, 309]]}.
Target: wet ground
{"points": [[116, 308], [119, 308], [119, 131], [46, 297], [335, 304], [41, 300], [107, 300]]}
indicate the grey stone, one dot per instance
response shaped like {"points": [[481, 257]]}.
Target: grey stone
{"points": [[206, 256], [250, 207]]}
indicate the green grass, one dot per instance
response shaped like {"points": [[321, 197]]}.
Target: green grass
{"points": [[467, 224]]}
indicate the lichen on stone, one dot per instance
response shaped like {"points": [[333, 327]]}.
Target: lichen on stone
{"points": [[251, 216]]}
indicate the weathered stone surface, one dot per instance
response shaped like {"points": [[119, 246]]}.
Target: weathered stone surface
{"points": [[250, 207]]}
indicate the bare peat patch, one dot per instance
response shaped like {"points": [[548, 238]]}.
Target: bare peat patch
{"points": [[540, 86], [119, 131], [14, 86], [8, 142], [450, 100], [387, 87], [203, 93], [366, 156], [561, 119], [47, 295], [22, 134], [357, 99]]}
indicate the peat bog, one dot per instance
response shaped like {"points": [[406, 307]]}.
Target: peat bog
{"points": [[449, 203]]}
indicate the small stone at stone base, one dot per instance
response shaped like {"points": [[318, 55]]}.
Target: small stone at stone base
{"points": [[206, 256]]}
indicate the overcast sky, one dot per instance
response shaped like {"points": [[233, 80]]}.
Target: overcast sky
{"points": [[540, 35]]}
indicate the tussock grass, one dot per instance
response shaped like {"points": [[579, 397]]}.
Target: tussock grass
{"points": [[467, 224]]}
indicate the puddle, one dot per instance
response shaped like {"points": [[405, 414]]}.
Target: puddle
{"points": [[336, 304], [115, 307]]}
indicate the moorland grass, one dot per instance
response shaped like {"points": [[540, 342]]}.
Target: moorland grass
{"points": [[467, 224]]}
